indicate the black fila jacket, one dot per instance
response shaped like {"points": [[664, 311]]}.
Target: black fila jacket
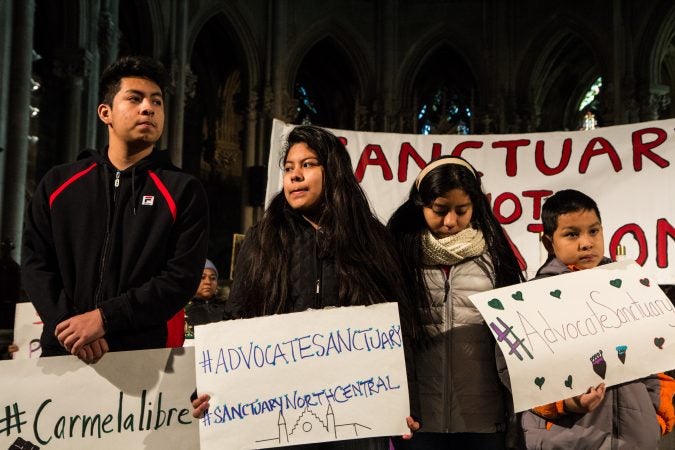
{"points": [[130, 242]]}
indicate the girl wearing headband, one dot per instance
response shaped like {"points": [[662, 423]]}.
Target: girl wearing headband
{"points": [[452, 246]]}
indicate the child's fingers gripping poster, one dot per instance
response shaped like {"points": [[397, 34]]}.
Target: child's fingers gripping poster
{"points": [[563, 334]]}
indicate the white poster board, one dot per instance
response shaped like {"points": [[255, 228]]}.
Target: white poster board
{"points": [[617, 166], [314, 376], [27, 330], [563, 334], [128, 400]]}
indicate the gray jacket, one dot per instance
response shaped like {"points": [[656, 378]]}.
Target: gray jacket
{"points": [[459, 389]]}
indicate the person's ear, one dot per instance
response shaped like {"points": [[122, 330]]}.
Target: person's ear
{"points": [[104, 113], [548, 243]]}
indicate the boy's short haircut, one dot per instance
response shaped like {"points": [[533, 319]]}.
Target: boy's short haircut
{"points": [[564, 202], [130, 66]]}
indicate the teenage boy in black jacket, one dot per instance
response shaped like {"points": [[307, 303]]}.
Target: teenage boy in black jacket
{"points": [[114, 244]]}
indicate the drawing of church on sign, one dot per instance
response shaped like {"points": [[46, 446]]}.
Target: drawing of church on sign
{"points": [[311, 427]]}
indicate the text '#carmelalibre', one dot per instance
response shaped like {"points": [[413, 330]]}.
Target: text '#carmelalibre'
{"points": [[341, 393], [135, 415], [258, 355]]}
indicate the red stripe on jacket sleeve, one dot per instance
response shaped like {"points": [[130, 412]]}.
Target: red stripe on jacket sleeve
{"points": [[175, 330], [165, 193], [68, 182]]}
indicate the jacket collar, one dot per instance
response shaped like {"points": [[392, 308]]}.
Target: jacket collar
{"points": [[553, 266], [157, 158]]}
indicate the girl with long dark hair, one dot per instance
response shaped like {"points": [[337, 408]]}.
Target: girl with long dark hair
{"points": [[451, 246], [318, 245], [318, 228]]}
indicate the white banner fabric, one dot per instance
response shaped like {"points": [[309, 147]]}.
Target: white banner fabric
{"points": [[628, 170]]}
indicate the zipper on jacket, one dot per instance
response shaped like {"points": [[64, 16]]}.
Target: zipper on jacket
{"points": [[106, 240], [319, 270], [615, 422], [447, 367]]}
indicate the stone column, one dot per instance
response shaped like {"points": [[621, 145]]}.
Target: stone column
{"points": [[178, 77], [387, 66], [277, 42], [272, 104], [90, 119], [72, 66], [108, 42], [250, 214], [5, 53], [108, 33], [18, 124]]}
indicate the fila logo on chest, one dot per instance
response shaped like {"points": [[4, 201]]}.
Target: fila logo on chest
{"points": [[148, 200]]}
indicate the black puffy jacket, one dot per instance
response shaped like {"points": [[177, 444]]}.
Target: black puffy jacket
{"points": [[313, 280]]}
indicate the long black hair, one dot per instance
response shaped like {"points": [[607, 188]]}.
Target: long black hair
{"points": [[407, 225], [365, 257]]}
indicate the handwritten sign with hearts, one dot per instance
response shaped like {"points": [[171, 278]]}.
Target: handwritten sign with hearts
{"points": [[609, 324]]}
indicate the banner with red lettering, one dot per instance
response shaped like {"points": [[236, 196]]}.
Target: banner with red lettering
{"points": [[628, 170]]}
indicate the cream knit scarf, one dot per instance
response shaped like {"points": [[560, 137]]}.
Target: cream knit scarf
{"points": [[452, 249]]}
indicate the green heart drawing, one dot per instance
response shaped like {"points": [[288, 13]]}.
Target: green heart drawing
{"points": [[556, 293], [568, 381], [616, 283], [539, 381], [659, 341], [495, 303], [644, 281], [517, 296]]}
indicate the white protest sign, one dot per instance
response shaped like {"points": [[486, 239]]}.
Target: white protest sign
{"points": [[138, 400], [622, 165], [314, 376], [27, 330], [563, 334]]}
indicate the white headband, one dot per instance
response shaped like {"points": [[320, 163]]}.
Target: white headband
{"points": [[442, 162]]}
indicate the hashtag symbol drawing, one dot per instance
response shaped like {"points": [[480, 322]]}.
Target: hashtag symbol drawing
{"points": [[206, 420], [206, 361], [502, 335], [12, 420]]}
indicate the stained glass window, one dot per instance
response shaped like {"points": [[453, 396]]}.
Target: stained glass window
{"points": [[445, 113], [306, 109], [593, 92]]}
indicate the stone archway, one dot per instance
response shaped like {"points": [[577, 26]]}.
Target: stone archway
{"points": [[559, 79], [444, 94], [325, 87]]}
